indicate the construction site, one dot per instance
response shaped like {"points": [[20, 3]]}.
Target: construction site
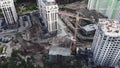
{"points": [[71, 35], [77, 26]]}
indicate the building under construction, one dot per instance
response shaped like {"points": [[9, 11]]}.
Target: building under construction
{"points": [[109, 8]]}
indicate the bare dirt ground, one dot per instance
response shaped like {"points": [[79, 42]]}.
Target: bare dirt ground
{"points": [[81, 7], [77, 5]]}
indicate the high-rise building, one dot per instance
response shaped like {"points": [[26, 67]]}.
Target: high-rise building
{"points": [[9, 11], [106, 43], [109, 8], [48, 11]]}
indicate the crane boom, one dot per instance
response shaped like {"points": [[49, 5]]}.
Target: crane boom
{"points": [[76, 26], [73, 15]]}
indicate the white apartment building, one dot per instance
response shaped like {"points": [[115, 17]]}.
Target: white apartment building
{"points": [[9, 11], [48, 11], [109, 8], [106, 43]]}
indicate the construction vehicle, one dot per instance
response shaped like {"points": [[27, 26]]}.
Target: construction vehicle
{"points": [[4, 49]]}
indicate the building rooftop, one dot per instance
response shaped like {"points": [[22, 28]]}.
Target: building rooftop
{"points": [[90, 27], [49, 2], [110, 27], [60, 51]]}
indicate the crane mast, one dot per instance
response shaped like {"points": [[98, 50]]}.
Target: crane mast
{"points": [[76, 26]]}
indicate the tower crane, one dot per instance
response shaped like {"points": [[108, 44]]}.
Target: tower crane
{"points": [[76, 26], [77, 17]]}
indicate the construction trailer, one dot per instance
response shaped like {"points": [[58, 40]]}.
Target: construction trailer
{"points": [[109, 8]]}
